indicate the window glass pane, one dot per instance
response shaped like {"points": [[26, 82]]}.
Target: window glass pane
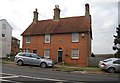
{"points": [[28, 55], [75, 53], [47, 53], [18, 42], [27, 39], [116, 62], [26, 50], [21, 54], [34, 51], [3, 35], [35, 56], [47, 38], [75, 37]]}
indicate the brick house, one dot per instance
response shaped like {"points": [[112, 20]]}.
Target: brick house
{"points": [[15, 45], [61, 39]]}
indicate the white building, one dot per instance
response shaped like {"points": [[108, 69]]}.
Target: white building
{"points": [[5, 38]]}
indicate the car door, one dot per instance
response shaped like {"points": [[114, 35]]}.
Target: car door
{"points": [[26, 58], [35, 60], [117, 65]]}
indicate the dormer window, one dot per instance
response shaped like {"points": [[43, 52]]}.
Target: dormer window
{"points": [[75, 37], [47, 38]]}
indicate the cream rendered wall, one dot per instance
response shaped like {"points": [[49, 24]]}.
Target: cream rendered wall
{"points": [[0, 39], [5, 42]]}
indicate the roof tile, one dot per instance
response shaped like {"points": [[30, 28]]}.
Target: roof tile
{"points": [[63, 25]]}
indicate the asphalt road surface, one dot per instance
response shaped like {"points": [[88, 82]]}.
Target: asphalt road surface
{"points": [[31, 74]]}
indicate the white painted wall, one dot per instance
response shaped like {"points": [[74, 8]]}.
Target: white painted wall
{"points": [[0, 39], [5, 42]]}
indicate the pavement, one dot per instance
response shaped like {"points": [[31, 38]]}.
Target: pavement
{"points": [[79, 70]]}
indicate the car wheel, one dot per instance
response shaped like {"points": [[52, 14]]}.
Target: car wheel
{"points": [[20, 62], [43, 65], [111, 70]]}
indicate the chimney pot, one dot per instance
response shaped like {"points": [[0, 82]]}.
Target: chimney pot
{"points": [[87, 13]]}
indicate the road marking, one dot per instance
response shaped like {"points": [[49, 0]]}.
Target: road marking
{"points": [[9, 77], [7, 74], [15, 76], [9, 81]]}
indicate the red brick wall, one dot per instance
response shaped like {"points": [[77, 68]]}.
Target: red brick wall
{"points": [[15, 46], [63, 41]]}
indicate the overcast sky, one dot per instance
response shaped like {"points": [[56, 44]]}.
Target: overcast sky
{"points": [[19, 14]]}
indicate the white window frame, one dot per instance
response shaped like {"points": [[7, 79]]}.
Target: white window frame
{"points": [[26, 50], [47, 38], [75, 54], [27, 38], [47, 53], [75, 37]]}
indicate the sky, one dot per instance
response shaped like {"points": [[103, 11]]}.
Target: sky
{"points": [[104, 13]]}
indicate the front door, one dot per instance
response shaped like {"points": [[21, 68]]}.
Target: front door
{"points": [[60, 52]]}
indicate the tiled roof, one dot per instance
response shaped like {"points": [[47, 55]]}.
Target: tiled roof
{"points": [[63, 25]]}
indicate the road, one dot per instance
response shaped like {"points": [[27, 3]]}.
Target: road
{"points": [[23, 74]]}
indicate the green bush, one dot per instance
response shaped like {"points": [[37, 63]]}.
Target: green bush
{"points": [[10, 57]]}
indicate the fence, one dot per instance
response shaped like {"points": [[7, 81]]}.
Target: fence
{"points": [[94, 61]]}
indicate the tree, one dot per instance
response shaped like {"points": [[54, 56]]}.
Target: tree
{"points": [[117, 42]]}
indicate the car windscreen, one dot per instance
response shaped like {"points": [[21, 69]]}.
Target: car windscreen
{"points": [[107, 60]]}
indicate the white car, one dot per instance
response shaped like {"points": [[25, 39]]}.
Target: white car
{"points": [[111, 65], [33, 59]]}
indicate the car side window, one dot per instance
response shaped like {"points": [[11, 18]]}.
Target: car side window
{"points": [[34, 56], [28, 55], [21, 54], [116, 62]]}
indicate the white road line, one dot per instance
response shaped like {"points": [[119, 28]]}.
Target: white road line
{"points": [[7, 74], [9, 77], [9, 81], [14, 76]]}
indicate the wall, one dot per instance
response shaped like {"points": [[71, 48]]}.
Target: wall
{"points": [[15, 46], [63, 41], [0, 39], [6, 41], [94, 61]]}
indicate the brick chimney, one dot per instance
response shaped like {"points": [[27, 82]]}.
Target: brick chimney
{"points": [[56, 13], [87, 13], [35, 17]]}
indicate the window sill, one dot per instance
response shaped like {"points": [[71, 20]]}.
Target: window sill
{"points": [[27, 42], [75, 58], [75, 41]]}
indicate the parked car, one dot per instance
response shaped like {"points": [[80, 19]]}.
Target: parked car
{"points": [[111, 65], [33, 59]]}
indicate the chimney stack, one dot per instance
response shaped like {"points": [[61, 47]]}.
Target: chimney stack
{"points": [[35, 17], [87, 13], [56, 13]]}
